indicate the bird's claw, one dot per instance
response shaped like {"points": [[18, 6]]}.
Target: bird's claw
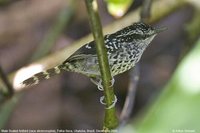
{"points": [[99, 85], [113, 102], [112, 82]]}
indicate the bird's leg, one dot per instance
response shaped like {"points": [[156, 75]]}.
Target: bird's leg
{"points": [[97, 81], [112, 105]]}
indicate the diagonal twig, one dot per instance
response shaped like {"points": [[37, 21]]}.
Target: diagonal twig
{"points": [[9, 89]]}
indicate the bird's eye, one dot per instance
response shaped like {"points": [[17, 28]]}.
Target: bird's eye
{"points": [[145, 28]]}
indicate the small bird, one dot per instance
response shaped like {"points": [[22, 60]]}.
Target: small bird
{"points": [[124, 48]]}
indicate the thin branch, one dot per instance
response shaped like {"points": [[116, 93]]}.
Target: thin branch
{"points": [[8, 89], [130, 98], [192, 28], [110, 119], [146, 10]]}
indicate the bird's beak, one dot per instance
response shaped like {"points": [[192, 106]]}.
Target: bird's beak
{"points": [[158, 30]]}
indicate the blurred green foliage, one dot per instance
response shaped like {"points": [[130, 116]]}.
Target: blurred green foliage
{"points": [[118, 8], [5, 2], [177, 109]]}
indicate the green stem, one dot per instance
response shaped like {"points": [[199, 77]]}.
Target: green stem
{"points": [[146, 10], [8, 89], [110, 120]]}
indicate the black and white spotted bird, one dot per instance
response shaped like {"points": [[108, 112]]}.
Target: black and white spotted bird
{"points": [[124, 48]]}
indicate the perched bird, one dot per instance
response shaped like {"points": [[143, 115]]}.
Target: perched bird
{"points": [[124, 48]]}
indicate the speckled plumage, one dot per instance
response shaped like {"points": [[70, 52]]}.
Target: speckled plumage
{"points": [[124, 49]]}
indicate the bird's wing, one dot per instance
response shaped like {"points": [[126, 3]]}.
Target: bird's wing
{"points": [[86, 50]]}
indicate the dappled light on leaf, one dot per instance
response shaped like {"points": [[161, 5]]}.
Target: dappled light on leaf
{"points": [[189, 74], [118, 8]]}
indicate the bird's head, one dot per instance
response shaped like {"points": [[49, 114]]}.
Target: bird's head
{"points": [[141, 30], [140, 33]]}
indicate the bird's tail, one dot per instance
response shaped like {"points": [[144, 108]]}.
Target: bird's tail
{"points": [[35, 79]]}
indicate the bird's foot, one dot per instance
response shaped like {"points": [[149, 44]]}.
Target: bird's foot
{"points": [[98, 82], [113, 102], [100, 86]]}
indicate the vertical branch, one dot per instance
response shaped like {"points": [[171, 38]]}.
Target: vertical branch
{"points": [[110, 119], [145, 12], [130, 98]]}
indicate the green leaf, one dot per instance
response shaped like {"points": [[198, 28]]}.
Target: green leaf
{"points": [[118, 8]]}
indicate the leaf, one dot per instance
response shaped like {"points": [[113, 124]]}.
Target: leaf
{"points": [[118, 8]]}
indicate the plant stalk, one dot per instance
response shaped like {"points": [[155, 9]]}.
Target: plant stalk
{"points": [[110, 119]]}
